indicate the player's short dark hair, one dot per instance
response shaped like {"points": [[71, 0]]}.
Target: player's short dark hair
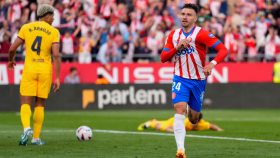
{"points": [[200, 116], [72, 69], [191, 6]]}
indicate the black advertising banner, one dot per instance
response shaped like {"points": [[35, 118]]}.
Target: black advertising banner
{"points": [[147, 96]]}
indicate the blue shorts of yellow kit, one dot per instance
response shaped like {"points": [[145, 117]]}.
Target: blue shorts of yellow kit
{"points": [[188, 90]]}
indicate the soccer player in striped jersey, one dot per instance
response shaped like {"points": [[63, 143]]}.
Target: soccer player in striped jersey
{"points": [[188, 46]]}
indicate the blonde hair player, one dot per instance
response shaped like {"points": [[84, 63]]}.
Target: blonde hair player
{"points": [[40, 39]]}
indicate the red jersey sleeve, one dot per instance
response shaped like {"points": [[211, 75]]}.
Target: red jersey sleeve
{"points": [[168, 51], [207, 38], [168, 43]]}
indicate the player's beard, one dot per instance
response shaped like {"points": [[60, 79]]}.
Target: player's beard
{"points": [[187, 25]]}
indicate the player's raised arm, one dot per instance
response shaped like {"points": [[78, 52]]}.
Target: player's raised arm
{"points": [[57, 64], [77, 31]]}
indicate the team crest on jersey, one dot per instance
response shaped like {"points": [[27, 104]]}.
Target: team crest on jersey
{"points": [[211, 35]]}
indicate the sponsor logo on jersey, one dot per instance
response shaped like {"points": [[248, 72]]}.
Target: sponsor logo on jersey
{"points": [[189, 50]]}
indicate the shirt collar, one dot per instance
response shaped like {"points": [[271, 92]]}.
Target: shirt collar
{"points": [[187, 34]]}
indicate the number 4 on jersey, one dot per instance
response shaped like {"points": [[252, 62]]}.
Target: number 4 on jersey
{"points": [[38, 41]]}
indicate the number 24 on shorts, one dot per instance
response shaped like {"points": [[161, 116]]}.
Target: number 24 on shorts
{"points": [[177, 86]]}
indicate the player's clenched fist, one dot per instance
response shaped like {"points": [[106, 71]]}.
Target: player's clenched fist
{"points": [[183, 44], [208, 69]]}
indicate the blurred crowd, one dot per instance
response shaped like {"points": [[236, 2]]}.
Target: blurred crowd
{"points": [[135, 30]]}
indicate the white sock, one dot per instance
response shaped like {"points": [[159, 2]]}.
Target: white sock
{"points": [[35, 139], [25, 129], [179, 131], [147, 124]]}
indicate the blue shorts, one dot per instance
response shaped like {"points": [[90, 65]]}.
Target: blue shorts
{"points": [[188, 90]]}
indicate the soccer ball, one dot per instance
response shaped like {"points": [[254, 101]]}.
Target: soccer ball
{"points": [[84, 133]]}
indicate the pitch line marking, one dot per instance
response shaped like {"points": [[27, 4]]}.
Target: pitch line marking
{"points": [[155, 133], [187, 135]]}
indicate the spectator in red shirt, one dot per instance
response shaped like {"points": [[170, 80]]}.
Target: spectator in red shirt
{"points": [[252, 52], [5, 46]]}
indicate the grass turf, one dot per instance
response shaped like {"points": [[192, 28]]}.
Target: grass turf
{"points": [[251, 124]]}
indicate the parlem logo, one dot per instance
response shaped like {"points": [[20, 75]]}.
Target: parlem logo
{"points": [[130, 96], [88, 97]]}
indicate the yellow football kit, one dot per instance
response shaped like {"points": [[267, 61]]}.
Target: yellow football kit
{"points": [[165, 124], [202, 124], [37, 73]]}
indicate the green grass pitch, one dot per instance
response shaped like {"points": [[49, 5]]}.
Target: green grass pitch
{"points": [[58, 133]]}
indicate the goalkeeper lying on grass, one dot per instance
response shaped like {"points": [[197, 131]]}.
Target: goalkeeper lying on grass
{"points": [[167, 125]]}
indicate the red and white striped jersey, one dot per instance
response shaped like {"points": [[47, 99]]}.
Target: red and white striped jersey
{"points": [[189, 63]]}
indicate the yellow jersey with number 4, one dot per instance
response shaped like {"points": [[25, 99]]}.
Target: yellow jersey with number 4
{"points": [[39, 37]]}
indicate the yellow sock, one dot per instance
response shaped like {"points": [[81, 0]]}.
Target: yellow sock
{"points": [[38, 119], [153, 124], [25, 114]]}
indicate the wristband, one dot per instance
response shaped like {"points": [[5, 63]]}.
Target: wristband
{"points": [[214, 62]]}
